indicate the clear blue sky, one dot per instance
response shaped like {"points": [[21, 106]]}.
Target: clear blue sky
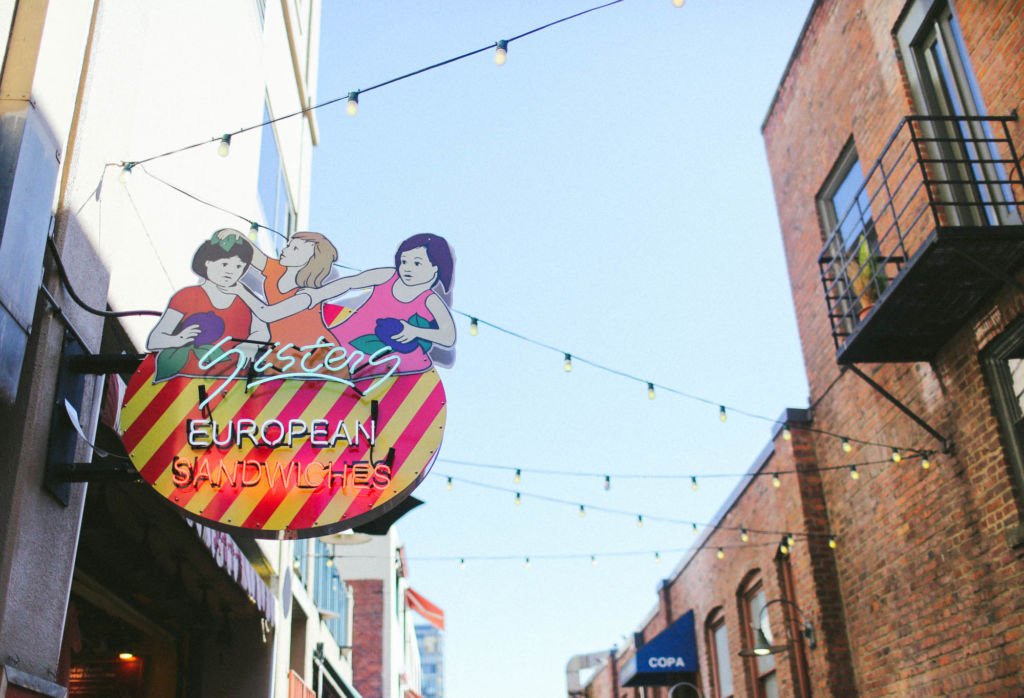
{"points": [[605, 192]]}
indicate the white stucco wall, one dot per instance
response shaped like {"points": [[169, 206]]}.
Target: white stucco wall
{"points": [[163, 76]]}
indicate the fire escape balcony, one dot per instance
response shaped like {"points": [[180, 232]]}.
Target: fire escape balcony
{"points": [[946, 199]]}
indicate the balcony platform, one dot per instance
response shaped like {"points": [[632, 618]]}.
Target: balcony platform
{"points": [[934, 294]]}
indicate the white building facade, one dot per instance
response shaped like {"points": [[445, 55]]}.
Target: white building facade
{"points": [[99, 580]]}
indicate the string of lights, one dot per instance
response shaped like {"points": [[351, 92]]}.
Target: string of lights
{"points": [[744, 531], [593, 558], [846, 441], [501, 50], [352, 98], [692, 477]]}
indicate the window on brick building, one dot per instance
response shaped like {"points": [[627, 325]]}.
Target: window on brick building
{"points": [[717, 638], [761, 670], [1003, 362], [851, 240], [944, 84]]}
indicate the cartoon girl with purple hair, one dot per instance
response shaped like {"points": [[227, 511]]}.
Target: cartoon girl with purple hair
{"points": [[403, 311]]}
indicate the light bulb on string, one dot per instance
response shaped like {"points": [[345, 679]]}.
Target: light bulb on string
{"points": [[776, 482], [784, 549], [254, 231], [518, 498], [607, 482], [501, 52], [527, 562], [593, 560], [845, 444], [568, 362], [657, 557], [126, 172], [583, 512], [854, 475], [352, 106], [462, 563], [790, 540], [330, 562], [925, 462], [449, 484], [694, 529], [744, 536], [639, 521], [787, 435], [721, 413], [693, 482], [650, 391], [519, 475], [896, 455], [720, 554], [225, 145], [473, 329], [832, 542]]}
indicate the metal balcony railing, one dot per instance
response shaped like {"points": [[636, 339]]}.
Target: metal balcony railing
{"points": [[933, 174]]}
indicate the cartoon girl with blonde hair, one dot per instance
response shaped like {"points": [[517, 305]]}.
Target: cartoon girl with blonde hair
{"points": [[406, 314], [288, 284]]}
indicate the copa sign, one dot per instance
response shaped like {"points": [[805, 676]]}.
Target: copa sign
{"points": [[272, 410], [666, 663]]}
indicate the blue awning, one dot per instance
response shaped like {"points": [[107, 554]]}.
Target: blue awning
{"points": [[670, 657]]}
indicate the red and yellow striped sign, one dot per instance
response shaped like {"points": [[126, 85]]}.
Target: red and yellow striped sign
{"points": [[288, 458]]}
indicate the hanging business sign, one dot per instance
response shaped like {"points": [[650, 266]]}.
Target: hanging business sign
{"points": [[273, 410]]}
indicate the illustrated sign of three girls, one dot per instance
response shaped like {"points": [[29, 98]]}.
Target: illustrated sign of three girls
{"points": [[267, 406]]}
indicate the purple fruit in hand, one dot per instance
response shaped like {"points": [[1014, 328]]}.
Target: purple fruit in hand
{"points": [[388, 326], [211, 327]]}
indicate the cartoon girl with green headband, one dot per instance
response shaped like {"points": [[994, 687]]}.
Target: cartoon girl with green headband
{"points": [[200, 316]]}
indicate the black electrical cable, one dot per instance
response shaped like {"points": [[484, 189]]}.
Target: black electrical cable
{"points": [[211, 205], [62, 272]]}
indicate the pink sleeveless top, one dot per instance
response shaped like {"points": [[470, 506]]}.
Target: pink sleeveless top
{"points": [[383, 304]]}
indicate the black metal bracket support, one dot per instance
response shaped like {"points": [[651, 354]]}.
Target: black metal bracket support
{"points": [[100, 471], [945, 443], [103, 364], [1005, 278]]}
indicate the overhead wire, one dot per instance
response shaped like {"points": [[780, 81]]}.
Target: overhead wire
{"points": [[689, 475], [583, 507], [129, 164]]}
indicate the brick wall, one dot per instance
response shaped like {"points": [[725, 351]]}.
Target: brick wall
{"points": [[928, 581], [368, 637], [705, 583]]}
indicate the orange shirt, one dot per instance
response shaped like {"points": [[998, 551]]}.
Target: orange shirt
{"points": [[301, 329]]}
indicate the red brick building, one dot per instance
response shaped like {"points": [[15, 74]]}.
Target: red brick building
{"points": [[894, 146]]}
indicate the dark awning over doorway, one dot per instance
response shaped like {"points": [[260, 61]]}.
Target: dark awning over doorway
{"points": [[667, 659]]}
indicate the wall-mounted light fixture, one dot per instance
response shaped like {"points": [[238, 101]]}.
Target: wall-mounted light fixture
{"points": [[762, 646]]}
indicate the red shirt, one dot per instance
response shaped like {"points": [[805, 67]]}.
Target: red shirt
{"points": [[237, 319]]}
